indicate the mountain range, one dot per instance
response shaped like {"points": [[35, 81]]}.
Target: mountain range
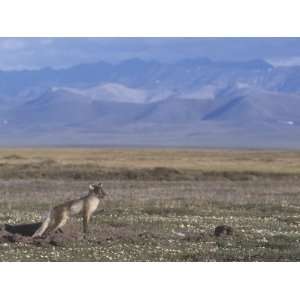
{"points": [[193, 102]]}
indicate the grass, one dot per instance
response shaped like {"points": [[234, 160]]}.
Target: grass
{"points": [[137, 162], [168, 216]]}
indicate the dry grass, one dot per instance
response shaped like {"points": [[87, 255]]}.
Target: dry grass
{"points": [[145, 164]]}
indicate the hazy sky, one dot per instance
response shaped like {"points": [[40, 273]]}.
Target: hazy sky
{"points": [[22, 53]]}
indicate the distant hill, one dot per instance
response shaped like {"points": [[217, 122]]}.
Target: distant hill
{"points": [[195, 102]]}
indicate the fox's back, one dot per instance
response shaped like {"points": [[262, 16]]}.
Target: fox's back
{"points": [[74, 207]]}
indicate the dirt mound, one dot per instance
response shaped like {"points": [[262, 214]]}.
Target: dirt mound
{"points": [[22, 233]]}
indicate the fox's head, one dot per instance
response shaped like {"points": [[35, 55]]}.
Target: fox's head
{"points": [[97, 189]]}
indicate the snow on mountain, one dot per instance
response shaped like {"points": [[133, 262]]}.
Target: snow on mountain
{"points": [[191, 102]]}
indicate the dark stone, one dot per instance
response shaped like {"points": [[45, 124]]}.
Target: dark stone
{"points": [[223, 230]]}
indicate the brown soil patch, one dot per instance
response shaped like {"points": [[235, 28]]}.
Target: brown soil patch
{"points": [[22, 233]]}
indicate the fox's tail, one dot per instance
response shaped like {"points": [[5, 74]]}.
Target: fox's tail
{"points": [[44, 226]]}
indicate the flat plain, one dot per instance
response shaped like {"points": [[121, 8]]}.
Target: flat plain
{"points": [[162, 204]]}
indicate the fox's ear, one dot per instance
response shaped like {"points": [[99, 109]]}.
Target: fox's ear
{"points": [[91, 187], [100, 184]]}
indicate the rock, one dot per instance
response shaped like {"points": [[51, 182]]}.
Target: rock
{"points": [[222, 230]]}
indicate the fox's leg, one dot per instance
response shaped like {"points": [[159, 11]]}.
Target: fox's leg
{"points": [[85, 223], [86, 219], [60, 220], [61, 223], [41, 230]]}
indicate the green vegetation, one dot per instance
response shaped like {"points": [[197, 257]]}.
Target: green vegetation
{"points": [[162, 221], [168, 216]]}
